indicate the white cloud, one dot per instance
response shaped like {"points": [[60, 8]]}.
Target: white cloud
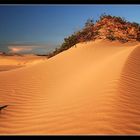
{"points": [[17, 49], [31, 48]]}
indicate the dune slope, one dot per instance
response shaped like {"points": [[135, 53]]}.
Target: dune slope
{"points": [[92, 88]]}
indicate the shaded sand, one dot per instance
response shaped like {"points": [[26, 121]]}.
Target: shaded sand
{"points": [[13, 62], [92, 88]]}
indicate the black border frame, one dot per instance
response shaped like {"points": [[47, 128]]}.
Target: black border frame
{"points": [[62, 2], [69, 2]]}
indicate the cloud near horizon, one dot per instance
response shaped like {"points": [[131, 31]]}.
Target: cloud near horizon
{"points": [[18, 49], [30, 48]]}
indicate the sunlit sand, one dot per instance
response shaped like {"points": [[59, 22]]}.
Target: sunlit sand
{"points": [[13, 62], [92, 88]]}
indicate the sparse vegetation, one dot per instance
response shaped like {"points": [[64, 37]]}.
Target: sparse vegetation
{"points": [[111, 37], [108, 26], [135, 24]]}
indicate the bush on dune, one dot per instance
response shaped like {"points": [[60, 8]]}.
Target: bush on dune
{"points": [[111, 25]]}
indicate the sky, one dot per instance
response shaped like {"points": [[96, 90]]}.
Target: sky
{"points": [[41, 28]]}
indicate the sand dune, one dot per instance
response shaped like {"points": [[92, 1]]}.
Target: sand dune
{"points": [[92, 88], [13, 62]]}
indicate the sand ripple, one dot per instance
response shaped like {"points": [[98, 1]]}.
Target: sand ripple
{"points": [[91, 89]]}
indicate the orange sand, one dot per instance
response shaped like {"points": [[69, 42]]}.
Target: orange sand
{"points": [[92, 88], [12, 62]]}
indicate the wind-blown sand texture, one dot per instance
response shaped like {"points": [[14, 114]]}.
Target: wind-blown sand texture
{"points": [[92, 88]]}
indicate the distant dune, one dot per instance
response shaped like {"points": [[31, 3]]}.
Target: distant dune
{"points": [[13, 62], [92, 88]]}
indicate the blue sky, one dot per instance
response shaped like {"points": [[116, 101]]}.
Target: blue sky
{"points": [[41, 28]]}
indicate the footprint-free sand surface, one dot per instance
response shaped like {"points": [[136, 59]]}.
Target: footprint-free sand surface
{"points": [[12, 62], [93, 88]]}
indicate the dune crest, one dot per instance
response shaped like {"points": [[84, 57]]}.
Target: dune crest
{"points": [[89, 89]]}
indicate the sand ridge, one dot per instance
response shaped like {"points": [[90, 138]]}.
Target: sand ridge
{"points": [[87, 89]]}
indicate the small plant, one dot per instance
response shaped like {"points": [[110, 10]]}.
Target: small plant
{"points": [[2, 107], [134, 24], [111, 37], [122, 40], [124, 27], [138, 36], [89, 23]]}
